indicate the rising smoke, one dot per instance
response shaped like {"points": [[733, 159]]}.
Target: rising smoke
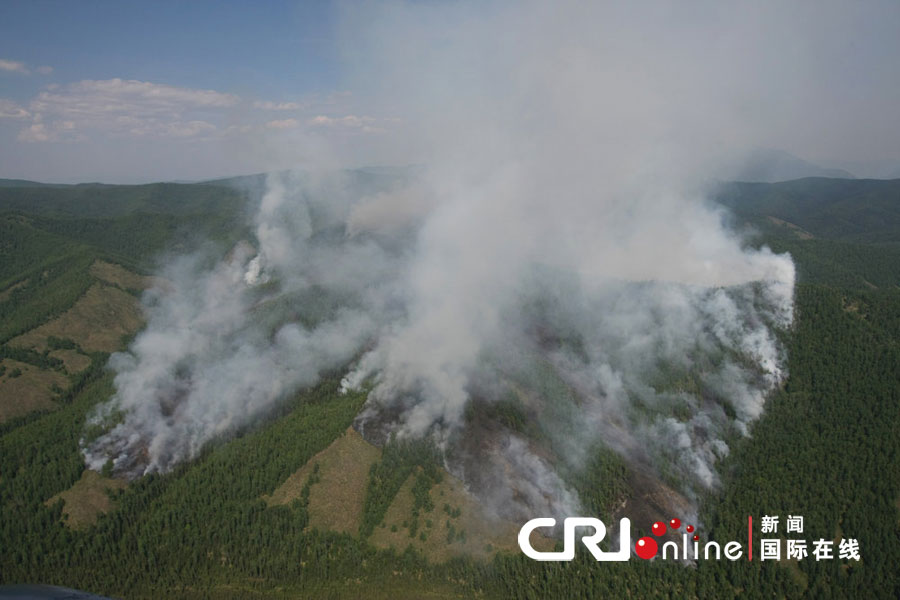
{"points": [[556, 256]]}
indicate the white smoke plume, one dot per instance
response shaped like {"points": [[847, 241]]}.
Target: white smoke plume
{"points": [[557, 252], [225, 344]]}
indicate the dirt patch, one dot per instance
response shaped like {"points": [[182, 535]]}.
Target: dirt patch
{"points": [[120, 276], [97, 322], [336, 501], [25, 388], [73, 360], [87, 499]]}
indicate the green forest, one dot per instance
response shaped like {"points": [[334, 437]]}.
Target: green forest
{"points": [[827, 446]]}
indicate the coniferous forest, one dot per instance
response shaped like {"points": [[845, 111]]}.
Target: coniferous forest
{"points": [[827, 446]]}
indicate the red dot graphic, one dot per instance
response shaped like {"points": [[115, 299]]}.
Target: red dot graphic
{"points": [[646, 548], [658, 529], [675, 523], [690, 528], [696, 538]]}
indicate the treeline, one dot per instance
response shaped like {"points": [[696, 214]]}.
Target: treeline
{"points": [[864, 211], [45, 293], [41, 360], [97, 201], [205, 523], [841, 264], [827, 449], [399, 460], [828, 446]]}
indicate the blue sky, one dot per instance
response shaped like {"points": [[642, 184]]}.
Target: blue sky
{"points": [[143, 91], [126, 91], [274, 48]]}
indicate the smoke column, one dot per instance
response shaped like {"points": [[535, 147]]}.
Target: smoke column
{"points": [[557, 252]]}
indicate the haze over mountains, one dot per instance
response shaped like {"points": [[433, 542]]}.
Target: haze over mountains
{"points": [[763, 165], [770, 166]]}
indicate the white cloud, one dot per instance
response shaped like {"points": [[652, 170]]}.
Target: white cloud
{"points": [[283, 124], [36, 132], [362, 124], [348, 121], [13, 66], [237, 129], [120, 96], [41, 131], [125, 108], [129, 109], [180, 129], [189, 129], [267, 105], [11, 110]]}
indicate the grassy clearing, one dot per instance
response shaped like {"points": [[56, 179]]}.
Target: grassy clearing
{"points": [[120, 276], [97, 322], [52, 287], [85, 501], [336, 500], [457, 526], [73, 360], [25, 388]]}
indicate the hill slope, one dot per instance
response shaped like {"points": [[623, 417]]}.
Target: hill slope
{"points": [[840, 232], [250, 517]]}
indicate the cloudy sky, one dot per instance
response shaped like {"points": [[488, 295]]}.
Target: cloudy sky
{"points": [[133, 92]]}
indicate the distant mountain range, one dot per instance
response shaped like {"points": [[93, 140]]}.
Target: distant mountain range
{"points": [[759, 166], [769, 166]]}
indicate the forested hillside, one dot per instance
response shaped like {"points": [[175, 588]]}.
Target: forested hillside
{"points": [[247, 519], [841, 232]]}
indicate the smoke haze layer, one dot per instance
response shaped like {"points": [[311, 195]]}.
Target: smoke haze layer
{"points": [[557, 255]]}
